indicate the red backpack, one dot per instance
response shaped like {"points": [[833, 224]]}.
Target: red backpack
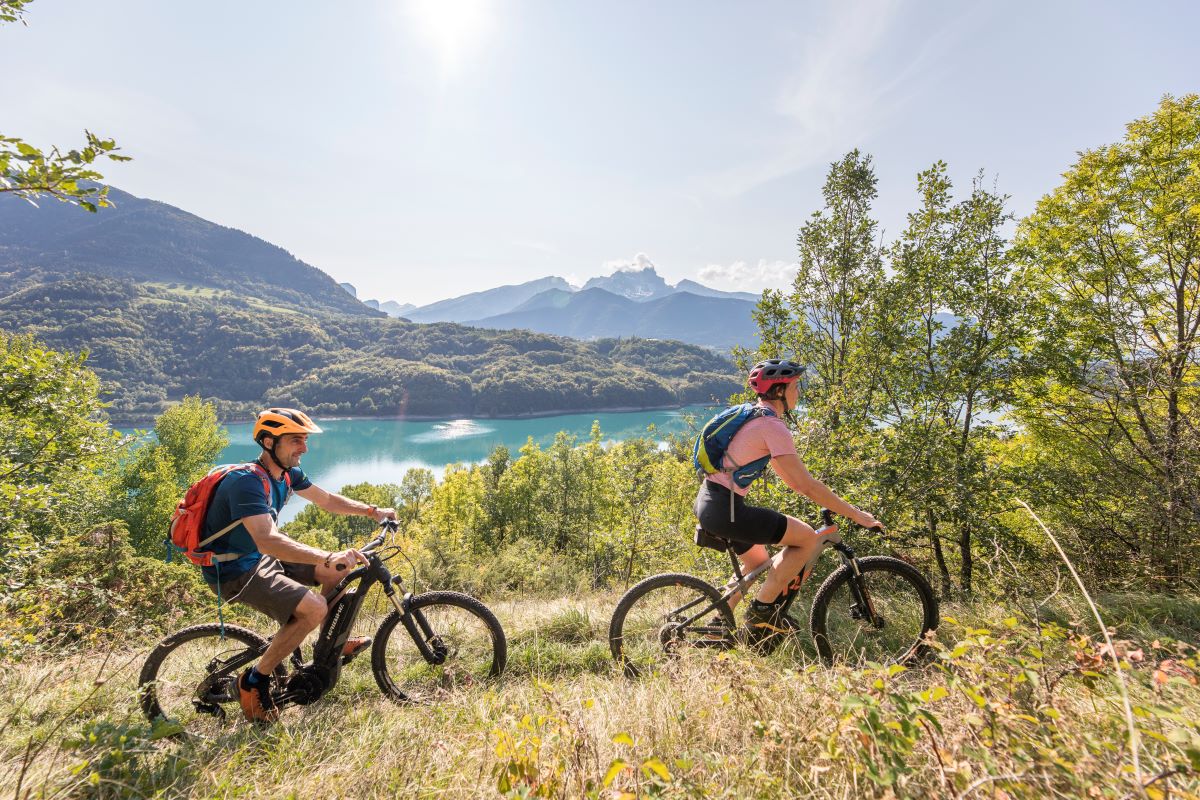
{"points": [[187, 523]]}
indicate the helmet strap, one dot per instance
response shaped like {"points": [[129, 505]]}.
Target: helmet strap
{"points": [[787, 410], [271, 452]]}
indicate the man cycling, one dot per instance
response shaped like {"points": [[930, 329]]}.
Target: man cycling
{"points": [[750, 528], [259, 565]]}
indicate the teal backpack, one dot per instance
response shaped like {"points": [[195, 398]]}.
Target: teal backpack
{"points": [[709, 456]]}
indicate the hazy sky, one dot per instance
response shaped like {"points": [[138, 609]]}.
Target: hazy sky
{"points": [[423, 149]]}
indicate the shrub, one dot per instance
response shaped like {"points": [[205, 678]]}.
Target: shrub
{"points": [[516, 566], [93, 588]]}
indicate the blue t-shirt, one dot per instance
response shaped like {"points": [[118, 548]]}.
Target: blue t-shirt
{"points": [[239, 495]]}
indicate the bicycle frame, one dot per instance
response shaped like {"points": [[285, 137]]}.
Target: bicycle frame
{"points": [[308, 682], [741, 582]]}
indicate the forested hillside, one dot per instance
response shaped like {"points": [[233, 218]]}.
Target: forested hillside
{"points": [[151, 345], [152, 242]]}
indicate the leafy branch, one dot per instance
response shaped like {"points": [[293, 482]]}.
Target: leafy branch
{"points": [[13, 10], [28, 172]]}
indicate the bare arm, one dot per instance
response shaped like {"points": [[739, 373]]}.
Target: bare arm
{"points": [[793, 472], [337, 504], [274, 542]]}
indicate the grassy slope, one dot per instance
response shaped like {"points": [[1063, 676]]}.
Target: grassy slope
{"points": [[1009, 724]]}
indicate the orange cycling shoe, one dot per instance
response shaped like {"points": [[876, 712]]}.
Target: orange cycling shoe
{"points": [[353, 647], [256, 700]]}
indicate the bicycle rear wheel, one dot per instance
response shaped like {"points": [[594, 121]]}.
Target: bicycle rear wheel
{"points": [[904, 611], [464, 646], [190, 678], [649, 624]]}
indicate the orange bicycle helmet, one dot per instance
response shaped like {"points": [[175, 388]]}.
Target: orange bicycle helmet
{"points": [[279, 421]]}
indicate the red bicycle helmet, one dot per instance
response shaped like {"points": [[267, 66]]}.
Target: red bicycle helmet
{"points": [[766, 374]]}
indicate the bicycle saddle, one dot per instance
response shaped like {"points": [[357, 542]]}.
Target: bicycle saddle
{"points": [[706, 539]]}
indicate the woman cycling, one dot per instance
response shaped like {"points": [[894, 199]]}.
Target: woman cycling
{"points": [[750, 528]]}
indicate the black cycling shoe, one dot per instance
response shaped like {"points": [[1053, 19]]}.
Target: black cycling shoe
{"points": [[766, 626]]}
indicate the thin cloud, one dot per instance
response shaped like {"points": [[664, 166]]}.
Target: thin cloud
{"points": [[742, 276], [841, 92]]}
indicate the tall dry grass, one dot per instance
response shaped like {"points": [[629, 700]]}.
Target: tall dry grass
{"points": [[1020, 702]]}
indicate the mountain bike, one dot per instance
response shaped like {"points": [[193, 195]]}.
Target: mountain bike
{"points": [[875, 608], [428, 645]]}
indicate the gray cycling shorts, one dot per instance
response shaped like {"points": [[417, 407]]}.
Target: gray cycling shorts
{"points": [[274, 587]]}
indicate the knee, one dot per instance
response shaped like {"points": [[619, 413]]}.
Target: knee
{"points": [[799, 534], [312, 610]]}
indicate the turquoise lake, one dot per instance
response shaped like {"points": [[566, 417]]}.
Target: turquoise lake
{"points": [[382, 450]]}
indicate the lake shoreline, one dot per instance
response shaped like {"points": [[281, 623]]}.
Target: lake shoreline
{"points": [[136, 422]]}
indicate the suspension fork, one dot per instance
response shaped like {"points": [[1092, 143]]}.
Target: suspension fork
{"points": [[858, 586], [418, 627]]}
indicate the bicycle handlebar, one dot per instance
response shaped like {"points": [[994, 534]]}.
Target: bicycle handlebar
{"points": [[827, 519], [386, 526]]}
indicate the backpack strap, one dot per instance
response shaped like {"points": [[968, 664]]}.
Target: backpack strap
{"points": [[755, 413], [262, 473], [218, 535]]}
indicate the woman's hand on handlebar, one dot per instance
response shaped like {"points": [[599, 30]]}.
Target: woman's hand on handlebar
{"points": [[868, 521]]}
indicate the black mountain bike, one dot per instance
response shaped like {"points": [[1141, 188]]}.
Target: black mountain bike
{"points": [[428, 645], [876, 608]]}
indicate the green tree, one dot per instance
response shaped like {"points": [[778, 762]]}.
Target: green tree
{"points": [[1114, 255], [826, 321], [948, 325], [187, 441], [841, 267], [28, 171], [54, 445], [416, 487]]}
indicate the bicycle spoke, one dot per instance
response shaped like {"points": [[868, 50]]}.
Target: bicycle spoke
{"points": [[193, 681], [464, 648], [652, 624], [890, 635]]}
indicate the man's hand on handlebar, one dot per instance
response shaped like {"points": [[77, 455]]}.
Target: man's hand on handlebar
{"points": [[384, 513], [346, 560]]}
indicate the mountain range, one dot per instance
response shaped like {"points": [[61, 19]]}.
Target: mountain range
{"points": [[153, 243], [639, 285], [630, 302], [716, 322]]}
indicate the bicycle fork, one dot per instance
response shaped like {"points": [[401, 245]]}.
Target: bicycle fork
{"points": [[863, 606], [428, 643]]}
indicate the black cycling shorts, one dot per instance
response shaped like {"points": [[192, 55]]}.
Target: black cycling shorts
{"points": [[751, 525]]}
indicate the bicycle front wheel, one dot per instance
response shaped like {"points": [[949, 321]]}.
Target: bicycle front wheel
{"points": [[190, 678], [881, 616], [651, 621], [461, 644]]}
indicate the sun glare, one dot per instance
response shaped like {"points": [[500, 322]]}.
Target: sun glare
{"points": [[452, 27]]}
